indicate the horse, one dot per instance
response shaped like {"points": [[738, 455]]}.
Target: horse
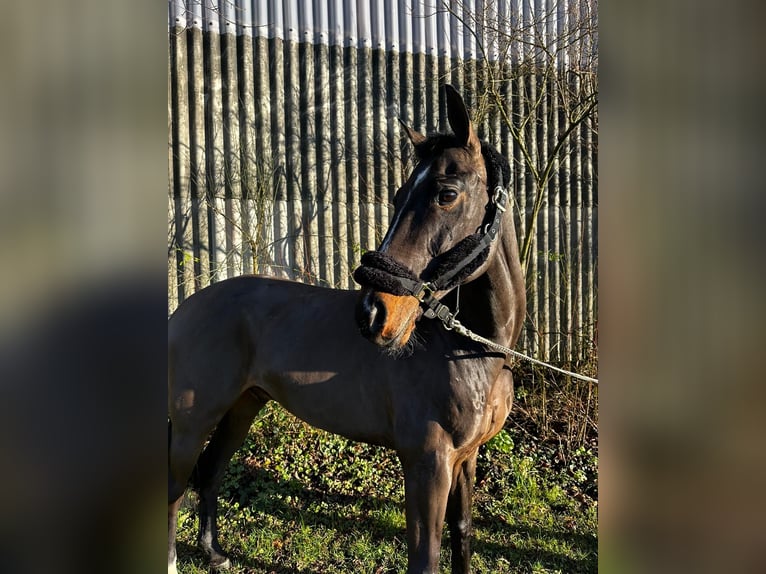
{"points": [[373, 365]]}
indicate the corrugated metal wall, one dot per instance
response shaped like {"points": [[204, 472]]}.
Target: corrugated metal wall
{"points": [[285, 149]]}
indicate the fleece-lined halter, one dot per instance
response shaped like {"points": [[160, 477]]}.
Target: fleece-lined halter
{"points": [[383, 273]]}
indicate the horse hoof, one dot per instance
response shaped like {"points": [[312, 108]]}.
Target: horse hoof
{"points": [[220, 564]]}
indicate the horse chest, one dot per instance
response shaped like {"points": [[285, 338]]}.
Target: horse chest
{"points": [[477, 407]]}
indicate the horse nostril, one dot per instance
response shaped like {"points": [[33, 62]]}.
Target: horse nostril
{"points": [[371, 315], [377, 316]]}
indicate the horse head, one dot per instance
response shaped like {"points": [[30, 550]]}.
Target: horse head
{"points": [[436, 234]]}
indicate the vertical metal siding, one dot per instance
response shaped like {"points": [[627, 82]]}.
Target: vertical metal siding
{"points": [[285, 149]]}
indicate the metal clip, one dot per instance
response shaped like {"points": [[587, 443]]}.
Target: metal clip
{"points": [[500, 197], [443, 313]]}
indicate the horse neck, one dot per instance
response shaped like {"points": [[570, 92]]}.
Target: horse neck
{"points": [[495, 303]]}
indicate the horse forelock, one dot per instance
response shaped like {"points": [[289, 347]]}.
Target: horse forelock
{"points": [[435, 144]]}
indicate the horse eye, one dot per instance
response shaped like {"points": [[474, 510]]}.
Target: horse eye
{"points": [[447, 196]]}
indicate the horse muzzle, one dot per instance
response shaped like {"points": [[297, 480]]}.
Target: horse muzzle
{"points": [[387, 320]]}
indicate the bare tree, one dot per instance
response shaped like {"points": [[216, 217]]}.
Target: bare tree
{"points": [[519, 49]]}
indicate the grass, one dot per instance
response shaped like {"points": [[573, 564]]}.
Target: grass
{"points": [[300, 501]]}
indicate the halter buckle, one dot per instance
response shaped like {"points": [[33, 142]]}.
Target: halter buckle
{"points": [[500, 197], [426, 289]]}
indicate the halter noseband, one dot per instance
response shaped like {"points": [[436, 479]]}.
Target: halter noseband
{"points": [[383, 273]]}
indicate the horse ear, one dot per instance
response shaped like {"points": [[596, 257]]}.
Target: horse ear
{"points": [[459, 120], [415, 137]]}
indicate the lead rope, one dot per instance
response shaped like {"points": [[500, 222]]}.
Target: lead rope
{"points": [[437, 310], [408, 283], [452, 324]]}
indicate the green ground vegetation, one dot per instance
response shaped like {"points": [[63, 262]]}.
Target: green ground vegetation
{"points": [[298, 500]]}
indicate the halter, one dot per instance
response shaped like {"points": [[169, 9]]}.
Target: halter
{"points": [[449, 269], [383, 273]]}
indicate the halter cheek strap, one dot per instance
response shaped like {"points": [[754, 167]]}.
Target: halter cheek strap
{"points": [[382, 272]]}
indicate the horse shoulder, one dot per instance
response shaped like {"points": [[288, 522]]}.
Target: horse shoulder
{"points": [[479, 407]]}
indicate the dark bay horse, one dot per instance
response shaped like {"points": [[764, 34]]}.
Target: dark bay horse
{"points": [[405, 382]]}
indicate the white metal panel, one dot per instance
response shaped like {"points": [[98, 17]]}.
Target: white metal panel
{"points": [[443, 32], [494, 19], [321, 23], [244, 17], [363, 26], [446, 27], [260, 18], [527, 17], [173, 17], [292, 23], [563, 28], [230, 12], [456, 30], [336, 24], [392, 27], [431, 39], [405, 25], [306, 21], [276, 19], [211, 16], [177, 15], [418, 28], [196, 14], [479, 11], [469, 39], [378, 23], [349, 21]]}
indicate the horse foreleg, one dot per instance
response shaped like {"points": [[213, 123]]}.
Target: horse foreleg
{"points": [[427, 481], [459, 516], [174, 501], [172, 521], [183, 450], [227, 438]]}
